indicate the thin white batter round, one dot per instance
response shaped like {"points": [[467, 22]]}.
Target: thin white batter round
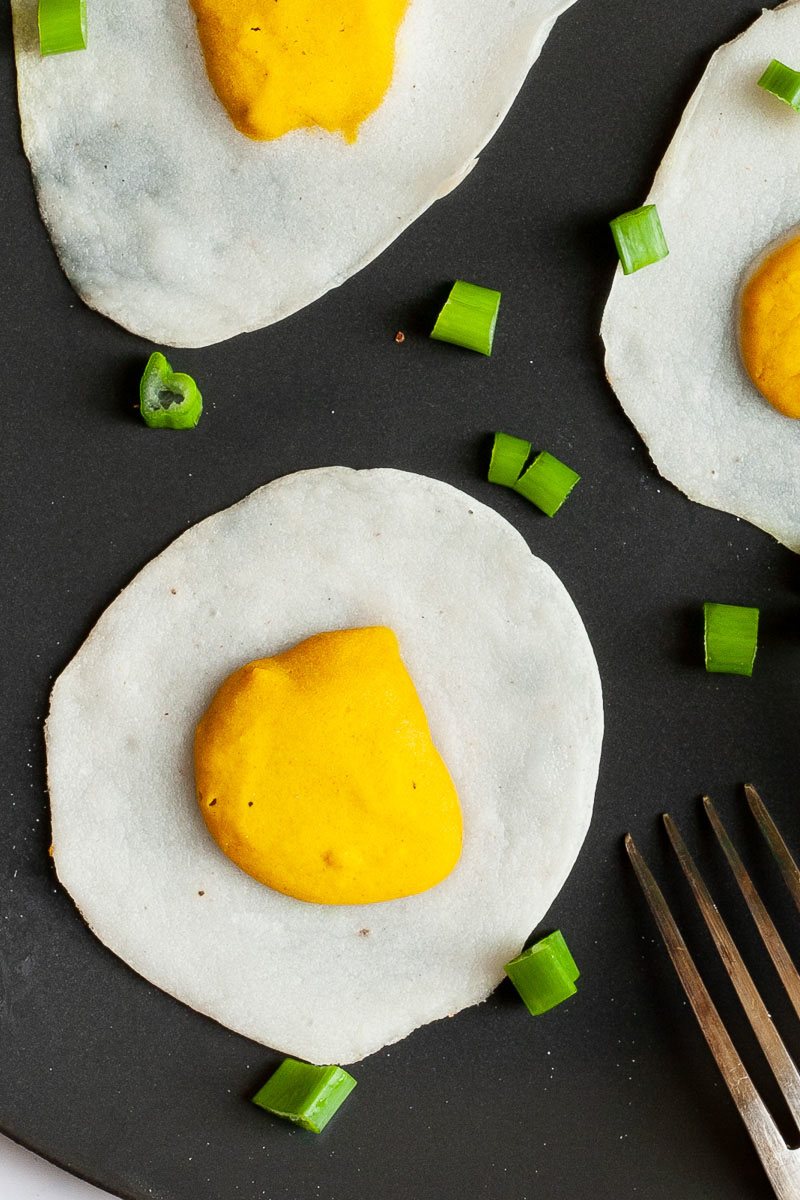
{"points": [[503, 667], [172, 223], [727, 190]]}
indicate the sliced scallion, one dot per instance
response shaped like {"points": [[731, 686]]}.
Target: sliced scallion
{"points": [[62, 26], [731, 638], [781, 81], [509, 455], [547, 483], [305, 1094], [545, 974], [468, 317], [168, 399], [639, 238]]}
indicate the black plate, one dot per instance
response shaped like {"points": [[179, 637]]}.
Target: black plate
{"points": [[614, 1093]]}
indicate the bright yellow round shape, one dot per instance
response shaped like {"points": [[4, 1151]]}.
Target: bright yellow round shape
{"points": [[770, 328], [317, 775], [278, 65]]}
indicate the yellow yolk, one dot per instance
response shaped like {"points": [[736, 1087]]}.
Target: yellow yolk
{"points": [[278, 65], [317, 775], [770, 328]]}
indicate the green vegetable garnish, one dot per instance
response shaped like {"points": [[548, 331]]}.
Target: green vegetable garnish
{"points": [[547, 483], [545, 974], [783, 82], [468, 317], [167, 399], [62, 26], [639, 238], [305, 1094], [731, 638], [509, 455]]}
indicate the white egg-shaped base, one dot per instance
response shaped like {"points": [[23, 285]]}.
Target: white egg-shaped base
{"points": [[505, 672], [172, 223], [726, 191]]}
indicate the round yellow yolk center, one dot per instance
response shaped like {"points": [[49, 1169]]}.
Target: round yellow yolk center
{"points": [[317, 775], [770, 328], [278, 65]]}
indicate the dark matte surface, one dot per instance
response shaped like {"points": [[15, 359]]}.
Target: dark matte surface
{"points": [[613, 1094]]}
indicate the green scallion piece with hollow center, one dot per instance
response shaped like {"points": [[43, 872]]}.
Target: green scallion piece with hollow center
{"points": [[168, 399], [545, 974], [731, 638], [509, 455], [547, 483], [62, 26], [304, 1094], [639, 238], [468, 317], [781, 81]]}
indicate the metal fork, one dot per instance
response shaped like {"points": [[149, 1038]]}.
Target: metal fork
{"points": [[781, 1163]]}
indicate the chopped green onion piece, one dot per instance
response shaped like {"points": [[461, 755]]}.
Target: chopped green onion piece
{"points": [[62, 26], [305, 1094], [639, 238], [168, 399], [509, 455], [731, 638], [468, 317], [545, 974], [546, 483], [783, 82]]}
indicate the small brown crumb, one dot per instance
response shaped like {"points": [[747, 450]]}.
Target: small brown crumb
{"points": [[249, 803], [201, 893], [363, 933], [399, 336], [173, 591], [212, 802]]}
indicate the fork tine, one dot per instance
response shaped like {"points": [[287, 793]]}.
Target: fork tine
{"points": [[764, 923], [777, 845], [769, 1039], [746, 1098], [782, 1169]]}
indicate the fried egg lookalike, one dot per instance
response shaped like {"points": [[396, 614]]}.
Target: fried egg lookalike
{"points": [[503, 668], [676, 333], [172, 222], [316, 773]]}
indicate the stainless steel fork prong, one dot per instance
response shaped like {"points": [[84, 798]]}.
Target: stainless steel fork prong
{"points": [[769, 1039], [764, 923], [777, 845], [781, 1164]]}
